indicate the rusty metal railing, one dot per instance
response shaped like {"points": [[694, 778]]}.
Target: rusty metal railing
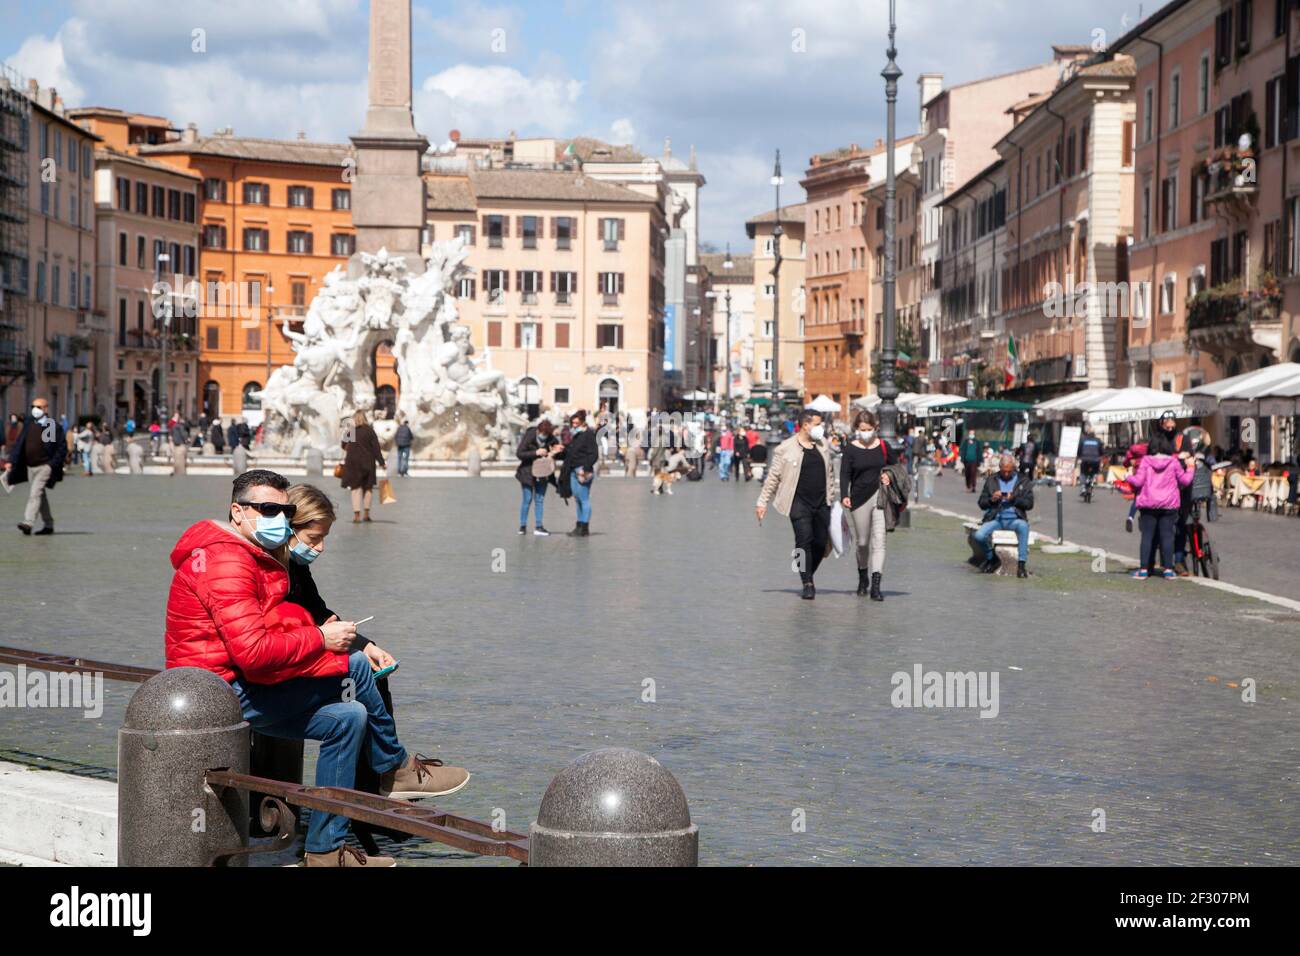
{"points": [[439, 826], [463, 833]]}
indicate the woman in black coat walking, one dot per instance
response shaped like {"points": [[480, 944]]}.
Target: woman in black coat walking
{"points": [[362, 456], [579, 472], [537, 444]]}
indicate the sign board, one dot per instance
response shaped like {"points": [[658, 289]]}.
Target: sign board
{"points": [[1070, 436], [1065, 470], [1020, 433]]}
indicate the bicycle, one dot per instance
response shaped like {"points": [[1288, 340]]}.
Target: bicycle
{"points": [[1204, 559], [1089, 470]]}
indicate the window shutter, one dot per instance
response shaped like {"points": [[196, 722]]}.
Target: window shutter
{"points": [[620, 283], [519, 335], [553, 275], [573, 227], [538, 328], [519, 280], [562, 335], [494, 334], [505, 227], [622, 232], [552, 218], [505, 281], [485, 225]]}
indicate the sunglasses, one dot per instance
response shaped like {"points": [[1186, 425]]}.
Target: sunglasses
{"points": [[269, 509]]}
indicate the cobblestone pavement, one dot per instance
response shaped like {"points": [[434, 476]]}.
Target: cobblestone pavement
{"points": [[1257, 550], [771, 711]]}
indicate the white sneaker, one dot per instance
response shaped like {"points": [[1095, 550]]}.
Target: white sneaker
{"points": [[541, 532]]}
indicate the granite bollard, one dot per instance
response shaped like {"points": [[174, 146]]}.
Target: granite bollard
{"points": [[614, 807], [239, 458], [179, 724], [474, 461], [315, 463], [180, 459]]}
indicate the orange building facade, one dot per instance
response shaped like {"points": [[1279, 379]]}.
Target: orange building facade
{"points": [[274, 218]]}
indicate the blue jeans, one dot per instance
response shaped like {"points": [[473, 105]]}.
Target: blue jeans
{"points": [[312, 708], [536, 496], [582, 495], [1005, 523], [403, 460], [85, 459], [724, 465]]}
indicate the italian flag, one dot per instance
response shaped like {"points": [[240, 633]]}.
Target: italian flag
{"points": [[1013, 363]]}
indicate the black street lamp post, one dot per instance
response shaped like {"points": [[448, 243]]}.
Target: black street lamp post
{"points": [[887, 389]]}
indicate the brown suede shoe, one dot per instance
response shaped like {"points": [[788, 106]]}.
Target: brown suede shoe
{"points": [[349, 856], [422, 776]]}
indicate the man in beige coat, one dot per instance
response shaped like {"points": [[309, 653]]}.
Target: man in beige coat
{"points": [[801, 484]]}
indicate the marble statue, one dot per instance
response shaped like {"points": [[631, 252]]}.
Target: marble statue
{"points": [[451, 402]]}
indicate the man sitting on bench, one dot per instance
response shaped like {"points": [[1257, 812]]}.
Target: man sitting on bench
{"points": [[227, 613], [1006, 498]]}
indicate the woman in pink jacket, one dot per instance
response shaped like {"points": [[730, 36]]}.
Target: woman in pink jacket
{"points": [[1158, 481]]}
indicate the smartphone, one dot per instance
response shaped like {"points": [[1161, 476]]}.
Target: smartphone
{"points": [[387, 670]]}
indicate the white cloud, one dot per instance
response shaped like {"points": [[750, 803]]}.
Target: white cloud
{"points": [[489, 100], [42, 58], [622, 132]]}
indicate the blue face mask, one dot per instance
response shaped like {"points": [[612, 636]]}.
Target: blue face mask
{"points": [[272, 532], [302, 553]]}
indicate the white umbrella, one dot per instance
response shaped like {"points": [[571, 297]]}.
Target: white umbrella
{"points": [[920, 406], [1138, 404], [824, 403]]}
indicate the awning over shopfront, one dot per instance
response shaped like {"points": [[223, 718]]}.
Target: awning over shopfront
{"points": [[1272, 390], [1137, 404], [1064, 406]]}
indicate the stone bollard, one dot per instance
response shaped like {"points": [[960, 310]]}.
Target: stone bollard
{"points": [[135, 458], [181, 723], [239, 458], [474, 461], [614, 807], [315, 463], [209, 449], [180, 459]]}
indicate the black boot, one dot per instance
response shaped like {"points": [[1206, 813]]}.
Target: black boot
{"points": [[991, 565], [863, 582], [875, 587], [809, 592], [586, 529], [1020, 570], [577, 531]]}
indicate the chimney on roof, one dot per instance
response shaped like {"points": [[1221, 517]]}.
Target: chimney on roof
{"points": [[33, 88], [668, 147], [879, 142], [930, 85], [693, 166], [191, 134]]}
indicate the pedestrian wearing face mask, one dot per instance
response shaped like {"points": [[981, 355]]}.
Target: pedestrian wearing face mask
{"points": [[37, 454], [800, 483], [862, 476], [579, 471]]}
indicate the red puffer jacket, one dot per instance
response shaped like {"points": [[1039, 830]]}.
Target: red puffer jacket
{"points": [[226, 613]]}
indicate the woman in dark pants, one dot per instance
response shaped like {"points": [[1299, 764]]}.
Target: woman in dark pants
{"points": [[312, 519]]}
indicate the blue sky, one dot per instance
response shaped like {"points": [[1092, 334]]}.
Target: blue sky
{"points": [[737, 78]]}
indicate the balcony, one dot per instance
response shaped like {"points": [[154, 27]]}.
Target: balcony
{"points": [[1230, 321], [1232, 179]]}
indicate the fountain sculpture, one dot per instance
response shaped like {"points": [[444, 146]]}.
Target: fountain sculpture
{"points": [[450, 400]]}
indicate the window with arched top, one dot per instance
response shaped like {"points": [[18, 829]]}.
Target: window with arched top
{"points": [[250, 398]]}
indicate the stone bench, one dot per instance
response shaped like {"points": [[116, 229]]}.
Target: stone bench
{"points": [[1005, 546]]}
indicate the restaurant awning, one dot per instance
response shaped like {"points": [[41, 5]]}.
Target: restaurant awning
{"points": [[986, 405], [1074, 402], [1251, 393], [1137, 404]]}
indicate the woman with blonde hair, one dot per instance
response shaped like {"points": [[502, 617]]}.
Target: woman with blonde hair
{"points": [[362, 457], [385, 767]]}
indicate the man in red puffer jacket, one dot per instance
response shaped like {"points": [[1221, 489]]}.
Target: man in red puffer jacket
{"points": [[227, 613]]}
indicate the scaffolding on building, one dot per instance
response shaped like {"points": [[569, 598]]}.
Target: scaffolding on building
{"points": [[15, 123]]}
